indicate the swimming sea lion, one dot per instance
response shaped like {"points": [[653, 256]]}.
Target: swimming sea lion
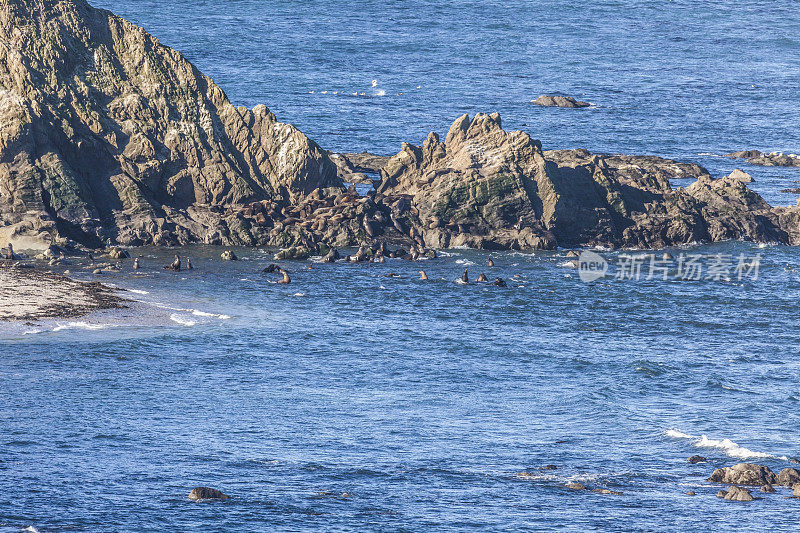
{"points": [[498, 282], [189, 264], [423, 275], [465, 277], [136, 263], [482, 277], [491, 263], [285, 280], [271, 268], [175, 265]]}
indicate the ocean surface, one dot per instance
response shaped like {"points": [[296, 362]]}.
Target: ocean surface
{"points": [[353, 401]]}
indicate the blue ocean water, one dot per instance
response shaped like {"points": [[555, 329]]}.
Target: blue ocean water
{"points": [[352, 401]]}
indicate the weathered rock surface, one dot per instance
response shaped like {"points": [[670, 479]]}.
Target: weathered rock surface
{"points": [[744, 474], [788, 477], [207, 493], [559, 101], [738, 494], [487, 188], [108, 136], [696, 459], [772, 159], [354, 168]]}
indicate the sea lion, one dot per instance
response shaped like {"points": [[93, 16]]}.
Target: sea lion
{"points": [[498, 282], [331, 256], [136, 263], [491, 263], [175, 265], [482, 277], [465, 277], [310, 266], [423, 275], [379, 258], [272, 267], [189, 264], [10, 253], [286, 280]]}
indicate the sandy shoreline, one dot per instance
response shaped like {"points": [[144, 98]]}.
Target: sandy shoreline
{"points": [[32, 294]]}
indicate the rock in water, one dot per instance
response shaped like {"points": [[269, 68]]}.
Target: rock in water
{"points": [[768, 488], [796, 491], [696, 459], [207, 493], [228, 255], [105, 134], [738, 494], [484, 187], [744, 474], [788, 477], [559, 101], [118, 253], [575, 486]]}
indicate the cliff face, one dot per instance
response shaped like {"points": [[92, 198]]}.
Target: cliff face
{"points": [[488, 188], [107, 135]]}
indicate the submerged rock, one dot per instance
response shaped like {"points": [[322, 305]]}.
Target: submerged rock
{"points": [[696, 459], [207, 493], [744, 474], [118, 253], [559, 101], [575, 486]]}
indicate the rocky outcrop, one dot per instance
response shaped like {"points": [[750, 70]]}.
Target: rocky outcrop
{"points": [[108, 136], [559, 101], [487, 188], [788, 477], [207, 493], [359, 168], [736, 494], [772, 159], [744, 474]]}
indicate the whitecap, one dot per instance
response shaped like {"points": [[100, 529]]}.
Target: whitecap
{"points": [[137, 291], [380, 92], [180, 320], [730, 448], [299, 294], [196, 312]]}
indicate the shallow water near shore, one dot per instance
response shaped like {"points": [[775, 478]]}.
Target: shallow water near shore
{"points": [[350, 400]]}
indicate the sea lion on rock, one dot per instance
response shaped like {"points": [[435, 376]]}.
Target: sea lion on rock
{"points": [[331, 256], [175, 265]]}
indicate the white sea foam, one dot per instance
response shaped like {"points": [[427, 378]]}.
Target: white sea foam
{"points": [[137, 291], [31, 529], [81, 325], [299, 294], [380, 92], [726, 445], [195, 312], [175, 317]]}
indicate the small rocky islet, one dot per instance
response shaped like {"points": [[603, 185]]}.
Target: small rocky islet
{"points": [[109, 138]]}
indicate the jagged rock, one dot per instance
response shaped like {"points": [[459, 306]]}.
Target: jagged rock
{"points": [[295, 252], [107, 135], [559, 101], [788, 477], [207, 493], [690, 493], [772, 159], [487, 188], [228, 255], [796, 490], [354, 168], [118, 253], [575, 486], [696, 459], [738, 494], [744, 474], [767, 488]]}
